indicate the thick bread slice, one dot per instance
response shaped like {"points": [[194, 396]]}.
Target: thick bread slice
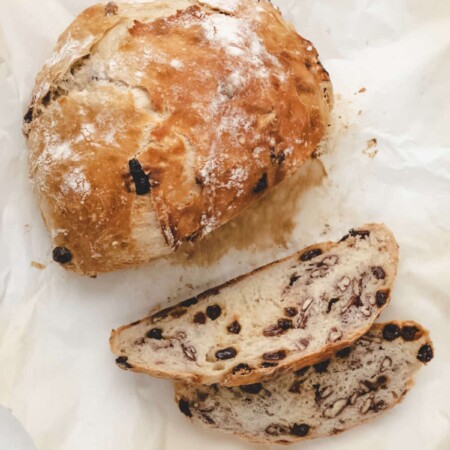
{"points": [[355, 386], [280, 317]]}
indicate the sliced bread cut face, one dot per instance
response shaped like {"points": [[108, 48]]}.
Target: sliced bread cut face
{"points": [[283, 316], [356, 385]]}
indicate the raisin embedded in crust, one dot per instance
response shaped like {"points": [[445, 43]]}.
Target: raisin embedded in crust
{"points": [[252, 388], [307, 256], [122, 361], [183, 405], [189, 302], [261, 185], [425, 353], [409, 333], [359, 233], [322, 366], [28, 118], [300, 430], [62, 255], [140, 178], [155, 333], [213, 311], [391, 332], [344, 352], [381, 297], [226, 353]]}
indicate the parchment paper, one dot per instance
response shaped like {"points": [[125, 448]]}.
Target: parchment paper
{"points": [[388, 159]]}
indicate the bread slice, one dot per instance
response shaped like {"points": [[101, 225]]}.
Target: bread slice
{"points": [[356, 385], [282, 316]]}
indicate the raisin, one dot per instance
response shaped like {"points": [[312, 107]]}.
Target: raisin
{"points": [[202, 396], [310, 254], [266, 365], [234, 328], [293, 279], [155, 333], [425, 353], [213, 311], [378, 406], [226, 353], [252, 388], [344, 352], [242, 368], [359, 233], [345, 238], [275, 330], [28, 116], [261, 185], [378, 273], [391, 332], [161, 314], [331, 303], [285, 324], [381, 298], [300, 429], [199, 181], [200, 318], [189, 302], [409, 333], [46, 99], [178, 312], [140, 178], [291, 312], [302, 371], [62, 255], [275, 356], [122, 361], [184, 407], [295, 387], [280, 158], [322, 366]]}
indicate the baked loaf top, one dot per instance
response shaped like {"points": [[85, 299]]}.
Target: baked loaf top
{"points": [[355, 386], [155, 123], [280, 317]]}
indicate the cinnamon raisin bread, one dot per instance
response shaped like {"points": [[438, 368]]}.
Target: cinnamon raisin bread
{"points": [[280, 317], [154, 123], [356, 385]]}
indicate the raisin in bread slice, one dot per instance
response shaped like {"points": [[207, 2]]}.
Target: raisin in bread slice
{"points": [[283, 316], [356, 385]]}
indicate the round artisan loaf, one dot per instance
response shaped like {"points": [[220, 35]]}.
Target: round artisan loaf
{"points": [[156, 123]]}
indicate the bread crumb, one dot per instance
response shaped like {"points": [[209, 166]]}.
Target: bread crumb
{"points": [[362, 90], [371, 151], [38, 266]]}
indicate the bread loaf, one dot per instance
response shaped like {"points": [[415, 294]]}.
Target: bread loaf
{"points": [[155, 123], [280, 317], [357, 385]]}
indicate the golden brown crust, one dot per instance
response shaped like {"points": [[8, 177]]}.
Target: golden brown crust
{"points": [[221, 105], [262, 374]]}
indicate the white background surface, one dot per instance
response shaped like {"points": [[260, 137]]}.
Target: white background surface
{"points": [[56, 372]]}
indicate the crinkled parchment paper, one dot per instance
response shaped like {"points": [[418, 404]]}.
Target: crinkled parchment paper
{"points": [[387, 159]]}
